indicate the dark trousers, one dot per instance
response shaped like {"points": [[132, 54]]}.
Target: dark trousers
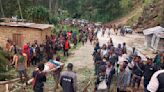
{"points": [[23, 73], [38, 89], [136, 79], [34, 60], [66, 52], [146, 82], [118, 90]]}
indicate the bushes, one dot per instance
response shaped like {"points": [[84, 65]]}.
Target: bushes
{"points": [[38, 14], [4, 56]]}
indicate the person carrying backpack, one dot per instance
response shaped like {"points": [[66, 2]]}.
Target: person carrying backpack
{"points": [[68, 79], [101, 80]]}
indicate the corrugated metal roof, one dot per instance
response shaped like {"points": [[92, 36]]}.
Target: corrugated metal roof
{"points": [[153, 30], [28, 25]]}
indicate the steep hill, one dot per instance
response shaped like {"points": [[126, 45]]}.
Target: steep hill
{"points": [[127, 18], [152, 15]]}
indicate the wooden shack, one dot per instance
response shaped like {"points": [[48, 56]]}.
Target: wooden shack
{"points": [[21, 33]]}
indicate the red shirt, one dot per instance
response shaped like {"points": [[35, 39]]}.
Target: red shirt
{"points": [[66, 44]]}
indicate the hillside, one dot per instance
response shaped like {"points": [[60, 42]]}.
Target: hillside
{"points": [[152, 15], [92, 10], [127, 18], [146, 14]]}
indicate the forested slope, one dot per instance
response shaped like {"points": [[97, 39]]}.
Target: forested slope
{"points": [[152, 15], [94, 10]]}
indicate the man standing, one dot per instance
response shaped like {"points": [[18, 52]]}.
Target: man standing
{"points": [[66, 47], [68, 79], [149, 70], [137, 71], [110, 71], [122, 79], [156, 83]]}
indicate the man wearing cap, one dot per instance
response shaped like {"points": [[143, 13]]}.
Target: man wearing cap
{"points": [[149, 70], [68, 79]]}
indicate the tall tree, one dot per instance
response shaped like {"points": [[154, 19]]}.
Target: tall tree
{"points": [[2, 12]]}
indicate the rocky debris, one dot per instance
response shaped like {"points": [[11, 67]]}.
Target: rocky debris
{"points": [[152, 15]]}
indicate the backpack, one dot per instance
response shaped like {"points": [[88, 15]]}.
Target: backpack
{"points": [[66, 83], [103, 84]]}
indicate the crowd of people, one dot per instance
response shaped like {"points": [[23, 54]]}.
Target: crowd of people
{"points": [[44, 55], [128, 68], [111, 62]]}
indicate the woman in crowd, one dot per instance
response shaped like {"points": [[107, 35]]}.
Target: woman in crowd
{"points": [[20, 60]]}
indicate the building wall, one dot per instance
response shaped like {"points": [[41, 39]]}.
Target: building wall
{"points": [[148, 40], [28, 34], [161, 44]]}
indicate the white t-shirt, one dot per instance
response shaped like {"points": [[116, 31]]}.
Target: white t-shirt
{"points": [[154, 83], [51, 65]]}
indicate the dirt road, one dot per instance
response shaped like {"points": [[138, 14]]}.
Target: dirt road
{"points": [[83, 64], [83, 61]]}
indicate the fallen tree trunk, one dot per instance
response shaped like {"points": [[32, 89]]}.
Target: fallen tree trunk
{"points": [[9, 81]]}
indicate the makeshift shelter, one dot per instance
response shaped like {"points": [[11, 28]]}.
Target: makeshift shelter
{"points": [[154, 37], [158, 41], [21, 33]]}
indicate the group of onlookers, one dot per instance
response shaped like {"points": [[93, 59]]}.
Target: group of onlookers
{"points": [[111, 62], [35, 53], [127, 68]]}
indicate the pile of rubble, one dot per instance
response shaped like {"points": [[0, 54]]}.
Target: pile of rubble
{"points": [[152, 15]]}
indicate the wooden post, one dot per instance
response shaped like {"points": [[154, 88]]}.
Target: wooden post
{"points": [[7, 87]]}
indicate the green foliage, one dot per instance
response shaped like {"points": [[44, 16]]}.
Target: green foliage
{"points": [[38, 14], [3, 60], [147, 2], [126, 5], [54, 20], [94, 10]]}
